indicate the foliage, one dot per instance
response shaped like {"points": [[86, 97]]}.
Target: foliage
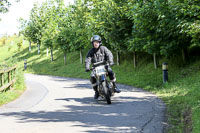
{"points": [[110, 21], [163, 27], [64, 38], [153, 26], [33, 29], [53, 18], [4, 5], [81, 26]]}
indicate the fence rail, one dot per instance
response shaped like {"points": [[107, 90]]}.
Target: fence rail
{"points": [[11, 78]]}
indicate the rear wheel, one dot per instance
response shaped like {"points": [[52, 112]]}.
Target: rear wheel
{"points": [[106, 92]]}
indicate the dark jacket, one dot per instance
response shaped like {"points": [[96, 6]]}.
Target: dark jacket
{"points": [[97, 55]]}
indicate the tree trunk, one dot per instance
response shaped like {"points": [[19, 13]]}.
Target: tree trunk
{"points": [[38, 48], [155, 61], [29, 46], [134, 59], [51, 54], [81, 56], [183, 55], [65, 57], [118, 58], [47, 51]]}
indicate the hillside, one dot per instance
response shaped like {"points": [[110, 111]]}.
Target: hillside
{"points": [[9, 48], [181, 93]]}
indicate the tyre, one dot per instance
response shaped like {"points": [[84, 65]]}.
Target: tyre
{"points": [[106, 92], [110, 88]]}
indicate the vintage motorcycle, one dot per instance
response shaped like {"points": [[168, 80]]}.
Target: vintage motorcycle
{"points": [[104, 86]]}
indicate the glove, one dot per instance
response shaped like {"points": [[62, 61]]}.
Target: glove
{"points": [[87, 70], [106, 67], [111, 64]]}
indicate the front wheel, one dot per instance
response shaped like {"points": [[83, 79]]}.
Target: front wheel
{"points": [[106, 92]]}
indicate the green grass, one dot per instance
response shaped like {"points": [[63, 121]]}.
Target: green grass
{"points": [[7, 60], [181, 93], [19, 88]]}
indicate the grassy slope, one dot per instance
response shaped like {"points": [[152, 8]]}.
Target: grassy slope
{"points": [[181, 94], [5, 54]]}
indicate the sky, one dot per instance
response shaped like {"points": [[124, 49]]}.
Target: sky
{"points": [[9, 21]]}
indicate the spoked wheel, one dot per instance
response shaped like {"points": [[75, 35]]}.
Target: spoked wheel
{"points": [[106, 92]]}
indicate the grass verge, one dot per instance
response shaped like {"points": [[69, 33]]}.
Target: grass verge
{"points": [[8, 60]]}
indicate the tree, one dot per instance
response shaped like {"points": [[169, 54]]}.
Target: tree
{"points": [[157, 27], [163, 27], [188, 13], [51, 27], [65, 36], [145, 35], [111, 23], [80, 27], [4, 5], [37, 23], [26, 29]]}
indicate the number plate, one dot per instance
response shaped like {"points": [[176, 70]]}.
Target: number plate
{"points": [[100, 70]]}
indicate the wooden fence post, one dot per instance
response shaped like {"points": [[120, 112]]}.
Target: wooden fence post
{"points": [[11, 78], [2, 79]]}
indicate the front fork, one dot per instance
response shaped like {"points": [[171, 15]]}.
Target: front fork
{"points": [[101, 79]]}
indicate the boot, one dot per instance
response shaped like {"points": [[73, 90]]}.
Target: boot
{"points": [[115, 88], [96, 95]]}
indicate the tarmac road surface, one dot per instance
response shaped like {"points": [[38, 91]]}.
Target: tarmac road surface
{"points": [[66, 105]]}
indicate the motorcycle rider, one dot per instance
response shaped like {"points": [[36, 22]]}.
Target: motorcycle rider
{"points": [[96, 54]]}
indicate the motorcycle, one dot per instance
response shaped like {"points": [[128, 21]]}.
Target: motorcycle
{"points": [[104, 86]]}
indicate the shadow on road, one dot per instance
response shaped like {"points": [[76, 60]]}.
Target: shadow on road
{"points": [[124, 114], [138, 113]]}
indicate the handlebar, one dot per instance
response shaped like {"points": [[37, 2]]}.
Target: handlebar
{"points": [[99, 63]]}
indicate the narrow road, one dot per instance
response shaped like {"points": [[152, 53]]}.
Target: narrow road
{"points": [[65, 105]]}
